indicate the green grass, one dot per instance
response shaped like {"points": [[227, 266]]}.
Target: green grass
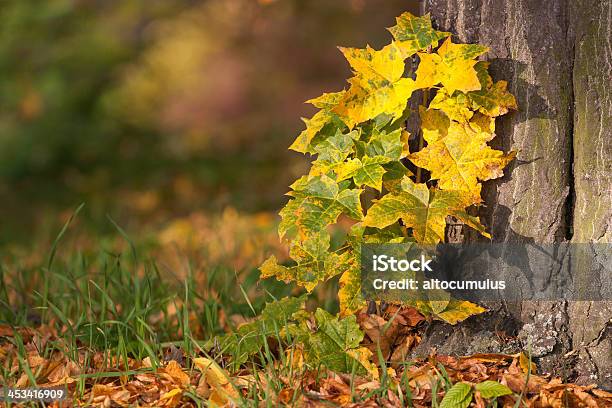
{"points": [[123, 305]]}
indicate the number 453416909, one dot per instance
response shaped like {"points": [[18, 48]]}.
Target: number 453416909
{"points": [[32, 394]]}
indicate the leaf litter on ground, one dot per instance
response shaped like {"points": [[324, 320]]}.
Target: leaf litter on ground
{"points": [[310, 360]]}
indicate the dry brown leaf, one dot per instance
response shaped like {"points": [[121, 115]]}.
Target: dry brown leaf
{"points": [[401, 351], [64, 373], [174, 370], [286, 395], [102, 390], [602, 394], [517, 382], [409, 316], [34, 360], [121, 397], [421, 377]]}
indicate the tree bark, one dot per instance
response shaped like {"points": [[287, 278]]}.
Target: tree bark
{"points": [[589, 322], [556, 56]]}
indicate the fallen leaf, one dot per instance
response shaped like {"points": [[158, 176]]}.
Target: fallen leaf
{"points": [[222, 391], [171, 398], [174, 370]]}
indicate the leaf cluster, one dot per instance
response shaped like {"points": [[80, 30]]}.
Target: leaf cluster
{"points": [[314, 340], [361, 146]]}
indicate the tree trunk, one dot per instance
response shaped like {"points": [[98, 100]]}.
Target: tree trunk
{"points": [[556, 56]]}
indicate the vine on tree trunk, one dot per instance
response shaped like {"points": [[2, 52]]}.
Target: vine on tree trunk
{"points": [[359, 139]]}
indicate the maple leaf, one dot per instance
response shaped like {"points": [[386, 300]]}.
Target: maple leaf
{"points": [[394, 174], [250, 337], [332, 152], [349, 294], [452, 66], [315, 264], [320, 120], [456, 107], [422, 209], [317, 202], [336, 345], [223, 392], [336, 148], [327, 100], [458, 156], [415, 33], [493, 101], [367, 171], [381, 143], [458, 310], [377, 87]]}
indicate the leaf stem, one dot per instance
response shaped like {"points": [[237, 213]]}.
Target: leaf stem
{"points": [[424, 104]]}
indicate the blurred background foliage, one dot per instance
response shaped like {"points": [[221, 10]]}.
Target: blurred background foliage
{"points": [[170, 116]]}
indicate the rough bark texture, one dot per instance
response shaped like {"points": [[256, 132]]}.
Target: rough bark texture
{"points": [[556, 56], [589, 322]]}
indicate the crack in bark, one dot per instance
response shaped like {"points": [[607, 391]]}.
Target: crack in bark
{"points": [[570, 202]]}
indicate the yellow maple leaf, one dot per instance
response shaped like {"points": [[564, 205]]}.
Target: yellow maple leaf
{"points": [[318, 121], [452, 66], [326, 101], [349, 294], [377, 87], [457, 107], [458, 156], [387, 63], [313, 126], [458, 310]]}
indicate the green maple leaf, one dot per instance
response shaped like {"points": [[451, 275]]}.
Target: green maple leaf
{"points": [[336, 345], [422, 209], [366, 171], [415, 33], [250, 338], [336, 148], [315, 264], [317, 202], [383, 143]]}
